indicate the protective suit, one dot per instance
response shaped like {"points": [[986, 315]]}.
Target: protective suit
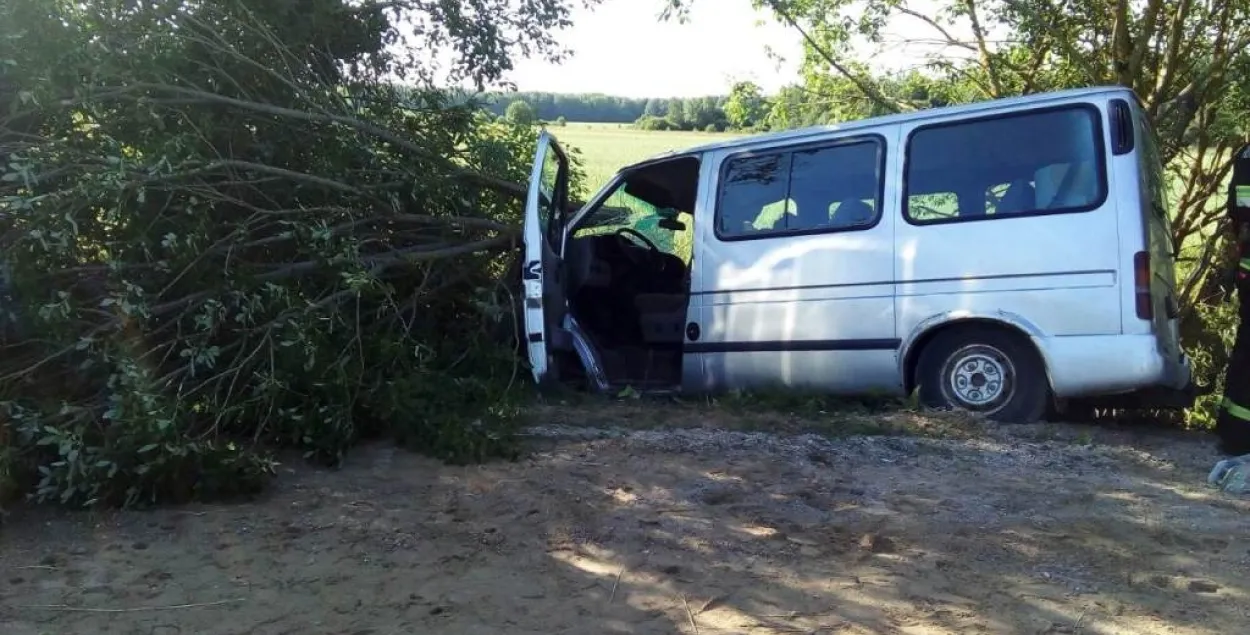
{"points": [[1233, 424]]}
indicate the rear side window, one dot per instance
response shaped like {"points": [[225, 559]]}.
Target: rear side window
{"points": [[1150, 166], [1026, 164], [805, 190], [1150, 162]]}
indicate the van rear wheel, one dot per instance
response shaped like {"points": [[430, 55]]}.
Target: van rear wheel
{"points": [[986, 371]]}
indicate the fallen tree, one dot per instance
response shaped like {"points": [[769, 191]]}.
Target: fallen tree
{"points": [[231, 227]]}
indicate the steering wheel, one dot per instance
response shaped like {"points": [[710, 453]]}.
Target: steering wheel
{"points": [[630, 231]]}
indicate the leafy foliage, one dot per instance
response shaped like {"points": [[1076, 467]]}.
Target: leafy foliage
{"points": [[745, 108], [521, 113], [228, 230]]}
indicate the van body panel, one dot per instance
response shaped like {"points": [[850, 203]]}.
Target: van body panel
{"points": [[1145, 181], [1055, 269], [835, 371], [694, 362], [1087, 316], [1079, 365], [824, 258], [812, 310], [1066, 294]]}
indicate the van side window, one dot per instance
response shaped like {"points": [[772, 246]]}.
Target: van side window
{"points": [[828, 188], [1040, 162], [1151, 165]]}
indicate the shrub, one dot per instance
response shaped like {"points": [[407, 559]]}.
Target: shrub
{"points": [[651, 122], [298, 258]]}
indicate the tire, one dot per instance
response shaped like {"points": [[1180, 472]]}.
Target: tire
{"points": [[958, 368]]}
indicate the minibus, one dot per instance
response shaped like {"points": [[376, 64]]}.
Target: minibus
{"points": [[1000, 257]]}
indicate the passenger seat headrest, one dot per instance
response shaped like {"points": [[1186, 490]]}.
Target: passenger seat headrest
{"points": [[1020, 197], [852, 212]]}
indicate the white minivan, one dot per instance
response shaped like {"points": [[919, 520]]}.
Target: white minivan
{"points": [[999, 257]]}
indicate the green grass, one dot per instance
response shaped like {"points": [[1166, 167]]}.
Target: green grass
{"points": [[607, 147]]}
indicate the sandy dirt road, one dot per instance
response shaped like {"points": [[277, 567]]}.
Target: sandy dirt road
{"points": [[1034, 529]]}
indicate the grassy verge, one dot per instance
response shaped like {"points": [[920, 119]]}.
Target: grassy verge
{"points": [[774, 411]]}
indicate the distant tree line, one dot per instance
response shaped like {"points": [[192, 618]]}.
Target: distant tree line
{"points": [[697, 113], [745, 108], [589, 107]]}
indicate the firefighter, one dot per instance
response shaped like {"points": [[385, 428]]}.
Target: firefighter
{"points": [[1233, 424]]}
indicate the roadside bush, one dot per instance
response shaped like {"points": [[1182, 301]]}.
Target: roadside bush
{"points": [[286, 251], [8, 467], [651, 122], [1209, 344]]}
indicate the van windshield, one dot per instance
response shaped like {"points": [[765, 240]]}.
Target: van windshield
{"points": [[645, 202]]}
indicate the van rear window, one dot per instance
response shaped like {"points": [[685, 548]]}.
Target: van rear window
{"points": [[1026, 164]]}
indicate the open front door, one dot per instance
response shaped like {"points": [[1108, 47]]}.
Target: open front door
{"points": [[545, 212]]}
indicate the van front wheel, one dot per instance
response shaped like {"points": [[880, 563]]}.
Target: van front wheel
{"points": [[986, 371]]}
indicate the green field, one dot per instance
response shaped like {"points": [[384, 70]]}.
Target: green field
{"points": [[606, 147]]}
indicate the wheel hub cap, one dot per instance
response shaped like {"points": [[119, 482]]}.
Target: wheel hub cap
{"points": [[977, 379]]}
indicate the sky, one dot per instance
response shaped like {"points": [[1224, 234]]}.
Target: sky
{"points": [[621, 48]]}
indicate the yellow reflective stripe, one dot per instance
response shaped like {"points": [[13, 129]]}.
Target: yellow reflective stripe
{"points": [[1245, 264], [1240, 412], [1242, 195]]}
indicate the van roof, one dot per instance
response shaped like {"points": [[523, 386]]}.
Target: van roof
{"points": [[871, 122]]}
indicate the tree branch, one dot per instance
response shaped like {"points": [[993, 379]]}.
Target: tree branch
{"points": [[870, 91], [403, 256], [983, 52], [455, 171], [1121, 44], [948, 38], [1165, 75], [1142, 45]]}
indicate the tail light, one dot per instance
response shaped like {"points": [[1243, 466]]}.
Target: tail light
{"points": [[1141, 285]]}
